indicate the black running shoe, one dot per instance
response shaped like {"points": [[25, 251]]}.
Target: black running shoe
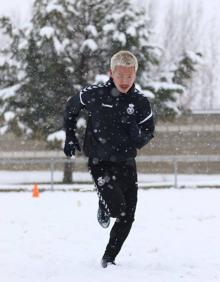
{"points": [[103, 218], [106, 261]]}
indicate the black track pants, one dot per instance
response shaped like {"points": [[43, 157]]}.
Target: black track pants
{"points": [[117, 190]]}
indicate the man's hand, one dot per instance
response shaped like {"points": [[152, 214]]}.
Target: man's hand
{"points": [[139, 137], [71, 145]]}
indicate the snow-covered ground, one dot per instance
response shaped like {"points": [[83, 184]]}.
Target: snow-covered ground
{"points": [[26, 179], [56, 238]]}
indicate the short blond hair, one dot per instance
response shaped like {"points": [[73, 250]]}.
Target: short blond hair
{"points": [[123, 58]]}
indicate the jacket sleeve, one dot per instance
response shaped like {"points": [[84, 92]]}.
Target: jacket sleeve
{"points": [[72, 110], [143, 128]]}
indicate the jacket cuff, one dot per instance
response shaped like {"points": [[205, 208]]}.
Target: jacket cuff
{"points": [[143, 140]]}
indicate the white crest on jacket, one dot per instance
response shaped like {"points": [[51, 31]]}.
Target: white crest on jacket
{"points": [[130, 109]]}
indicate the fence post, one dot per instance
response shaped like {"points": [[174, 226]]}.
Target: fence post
{"points": [[52, 174], [175, 172], [68, 171]]}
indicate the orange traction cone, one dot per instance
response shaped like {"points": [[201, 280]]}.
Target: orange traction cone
{"points": [[35, 191]]}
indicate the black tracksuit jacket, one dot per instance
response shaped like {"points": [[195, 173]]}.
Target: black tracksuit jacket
{"points": [[118, 124]]}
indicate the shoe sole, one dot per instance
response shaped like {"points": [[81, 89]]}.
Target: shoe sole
{"points": [[103, 224]]}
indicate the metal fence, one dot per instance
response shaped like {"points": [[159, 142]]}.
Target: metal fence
{"points": [[188, 128], [53, 158]]}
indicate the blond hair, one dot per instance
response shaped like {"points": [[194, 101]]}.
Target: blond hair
{"points": [[123, 58]]}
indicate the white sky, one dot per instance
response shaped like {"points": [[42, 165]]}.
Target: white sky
{"points": [[16, 5], [18, 9]]}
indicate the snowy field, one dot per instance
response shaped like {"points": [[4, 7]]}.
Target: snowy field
{"points": [[26, 179], [55, 238]]}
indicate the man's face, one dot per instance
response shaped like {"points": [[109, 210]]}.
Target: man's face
{"points": [[123, 77]]}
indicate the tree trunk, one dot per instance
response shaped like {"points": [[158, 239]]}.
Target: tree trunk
{"points": [[68, 170]]}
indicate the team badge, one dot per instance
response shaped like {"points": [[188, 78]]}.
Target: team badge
{"points": [[130, 109]]}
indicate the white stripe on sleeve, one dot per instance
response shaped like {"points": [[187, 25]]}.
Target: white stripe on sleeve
{"points": [[148, 117], [80, 94]]}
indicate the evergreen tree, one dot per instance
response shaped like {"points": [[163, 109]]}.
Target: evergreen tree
{"points": [[186, 66], [165, 97], [44, 90], [171, 83], [45, 83], [11, 54], [10, 68], [102, 28], [127, 28]]}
